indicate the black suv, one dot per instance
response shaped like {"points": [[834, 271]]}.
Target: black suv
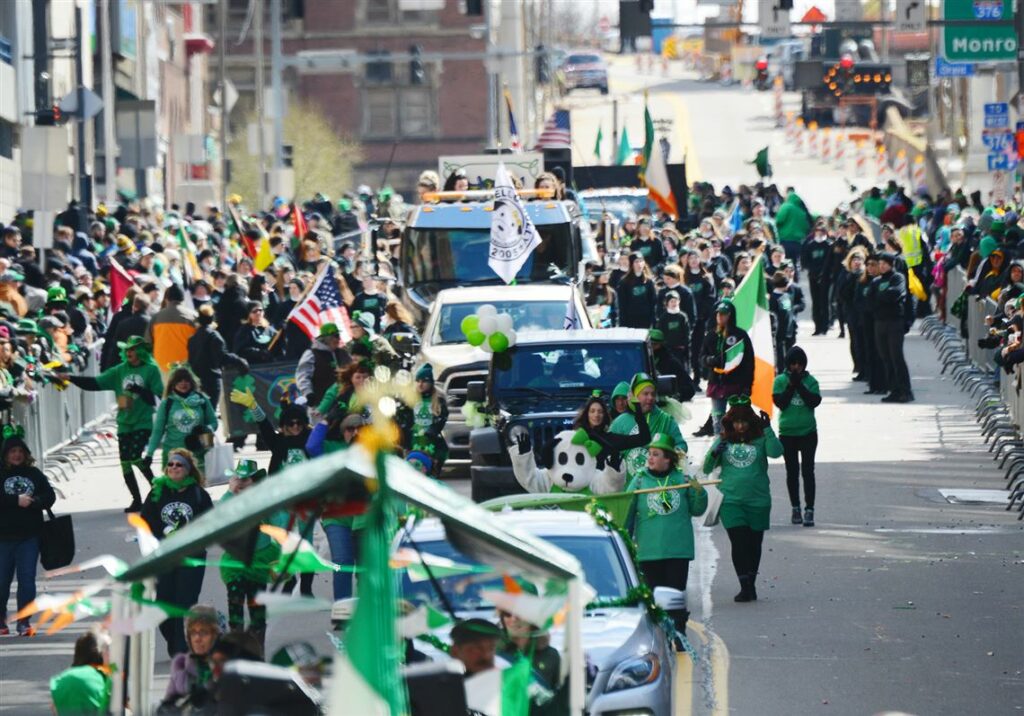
{"points": [[539, 386]]}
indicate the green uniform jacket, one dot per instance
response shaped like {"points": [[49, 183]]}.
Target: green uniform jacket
{"points": [[797, 418], [663, 529], [746, 492], [176, 417], [118, 378], [635, 460], [791, 220]]}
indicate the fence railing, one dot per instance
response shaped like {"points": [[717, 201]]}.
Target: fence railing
{"points": [[56, 419]]}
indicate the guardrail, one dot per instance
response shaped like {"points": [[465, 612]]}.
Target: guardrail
{"points": [[61, 426]]}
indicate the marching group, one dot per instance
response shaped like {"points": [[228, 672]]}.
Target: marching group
{"points": [[200, 292]]}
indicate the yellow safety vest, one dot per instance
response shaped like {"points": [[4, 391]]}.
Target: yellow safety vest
{"points": [[910, 240]]}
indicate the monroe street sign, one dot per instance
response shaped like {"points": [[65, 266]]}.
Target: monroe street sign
{"points": [[979, 42]]}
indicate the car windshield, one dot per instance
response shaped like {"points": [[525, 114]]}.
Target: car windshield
{"points": [[582, 59], [557, 368], [459, 256], [526, 315], [602, 563], [619, 205]]}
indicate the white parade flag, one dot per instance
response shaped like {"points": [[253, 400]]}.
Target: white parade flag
{"points": [[513, 235]]}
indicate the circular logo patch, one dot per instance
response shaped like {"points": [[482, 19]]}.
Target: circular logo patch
{"points": [[175, 515], [18, 485], [741, 455], [663, 503]]}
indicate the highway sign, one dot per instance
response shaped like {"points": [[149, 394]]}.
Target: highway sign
{"points": [[978, 43], [1001, 163], [911, 16], [953, 69], [997, 140]]}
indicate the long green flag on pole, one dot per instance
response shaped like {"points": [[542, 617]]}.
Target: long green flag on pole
{"points": [[597, 144], [625, 153]]}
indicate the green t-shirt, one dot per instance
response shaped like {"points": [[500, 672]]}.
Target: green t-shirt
{"points": [[663, 528], [118, 378], [80, 691], [797, 418], [635, 459], [745, 469]]}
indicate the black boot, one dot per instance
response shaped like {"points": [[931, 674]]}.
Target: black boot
{"points": [[707, 430], [747, 593], [753, 586], [679, 618]]}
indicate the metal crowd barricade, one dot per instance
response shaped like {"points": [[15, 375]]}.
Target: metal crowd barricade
{"points": [[956, 282], [977, 310], [63, 429]]}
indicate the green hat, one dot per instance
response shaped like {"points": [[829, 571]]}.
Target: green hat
{"points": [[662, 442], [328, 329], [639, 382], [56, 294], [621, 390], [738, 400], [365, 320], [997, 228], [725, 306], [26, 325], [133, 342], [656, 334], [247, 470], [426, 372], [986, 246]]}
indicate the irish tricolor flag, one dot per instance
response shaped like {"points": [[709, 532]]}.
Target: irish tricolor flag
{"points": [[751, 302], [654, 170]]}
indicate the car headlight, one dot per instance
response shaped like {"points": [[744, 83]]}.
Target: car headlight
{"points": [[515, 431], [633, 672]]}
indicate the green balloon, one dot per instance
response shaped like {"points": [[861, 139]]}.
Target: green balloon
{"points": [[470, 324], [475, 337], [498, 342]]}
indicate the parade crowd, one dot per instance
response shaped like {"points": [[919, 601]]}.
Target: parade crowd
{"points": [[179, 295]]}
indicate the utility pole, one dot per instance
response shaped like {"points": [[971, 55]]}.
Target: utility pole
{"points": [[85, 181], [260, 84], [223, 87], [109, 140], [277, 91], [1018, 18], [492, 80]]}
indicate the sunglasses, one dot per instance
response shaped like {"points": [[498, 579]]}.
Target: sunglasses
{"points": [[177, 463], [293, 423]]}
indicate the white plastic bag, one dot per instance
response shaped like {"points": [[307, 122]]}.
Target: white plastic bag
{"points": [[218, 461], [714, 505]]}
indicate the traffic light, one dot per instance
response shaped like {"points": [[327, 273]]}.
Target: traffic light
{"points": [[288, 156], [50, 117], [543, 65], [417, 73]]}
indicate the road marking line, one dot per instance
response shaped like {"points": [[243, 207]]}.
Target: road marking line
{"points": [[684, 684], [719, 665]]}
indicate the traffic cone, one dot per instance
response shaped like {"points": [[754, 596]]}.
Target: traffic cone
{"points": [[919, 172], [900, 168], [798, 135], [881, 163], [826, 145], [861, 164], [840, 153], [812, 139]]}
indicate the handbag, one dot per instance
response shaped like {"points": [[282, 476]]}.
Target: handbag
{"points": [[217, 463], [959, 307], [56, 541], [714, 505]]}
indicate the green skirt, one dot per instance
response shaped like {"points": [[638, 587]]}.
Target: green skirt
{"points": [[737, 514]]}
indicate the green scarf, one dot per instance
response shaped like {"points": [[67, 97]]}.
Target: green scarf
{"points": [[164, 482]]}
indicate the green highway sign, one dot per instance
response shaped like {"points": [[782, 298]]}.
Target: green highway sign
{"points": [[978, 43]]}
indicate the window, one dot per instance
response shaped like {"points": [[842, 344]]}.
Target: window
{"points": [[403, 12], [6, 140], [378, 11], [415, 113], [380, 113]]}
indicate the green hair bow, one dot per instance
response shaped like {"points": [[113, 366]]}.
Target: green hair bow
{"points": [[737, 400], [14, 431], [580, 437]]}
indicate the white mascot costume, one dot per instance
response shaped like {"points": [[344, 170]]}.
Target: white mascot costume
{"points": [[574, 469]]}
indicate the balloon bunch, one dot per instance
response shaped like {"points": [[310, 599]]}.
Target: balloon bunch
{"points": [[489, 330]]}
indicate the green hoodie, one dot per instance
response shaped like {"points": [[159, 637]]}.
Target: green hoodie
{"points": [[176, 417], [138, 415], [792, 221]]}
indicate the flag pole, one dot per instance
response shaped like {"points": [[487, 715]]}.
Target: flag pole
{"points": [[315, 282]]}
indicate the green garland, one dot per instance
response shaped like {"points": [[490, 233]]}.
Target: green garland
{"points": [[640, 595]]}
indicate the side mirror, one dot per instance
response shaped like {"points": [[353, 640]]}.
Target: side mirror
{"points": [[476, 391], [665, 384], [669, 599]]}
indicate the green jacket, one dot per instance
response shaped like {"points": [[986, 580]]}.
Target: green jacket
{"points": [[139, 414], [177, 417], [744, 466], [662, 527], [635, 459], [792, 221]]}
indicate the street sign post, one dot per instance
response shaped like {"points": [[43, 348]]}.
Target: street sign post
{"points": [[978, 42], [93, 104], [911, 16], [953, 69], [772, 19]]}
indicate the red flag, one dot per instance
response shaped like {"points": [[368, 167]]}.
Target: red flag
{"points": [[120, 281], [301, 228]]}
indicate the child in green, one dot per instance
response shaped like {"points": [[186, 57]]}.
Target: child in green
{"points": [[136, 384], [84, 689], [644, 393], [184, 412], [742, 451], [796, 394], [425, 421], [660, 520]]}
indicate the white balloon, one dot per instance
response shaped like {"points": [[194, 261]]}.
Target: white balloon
{"points": [[511, 338], [504, 323], [488, 325], [486, 310], [486, 347]]}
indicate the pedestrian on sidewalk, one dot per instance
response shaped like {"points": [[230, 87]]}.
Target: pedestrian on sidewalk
{"points": [[815, 258], [660, 521], [637, 295], [796, 394], [177, 498], [136, 384], [889, 299], [25, 494], [183, 415], [729, 359], [863, 307], [742, 452]]}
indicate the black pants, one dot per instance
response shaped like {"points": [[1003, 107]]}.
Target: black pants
{"points": [[877, 379], [130, 447], [746, 549], [857, 347], [666, 573], [798, 451], [181, 587], [696, 344], [889, 340], [820, 304]]}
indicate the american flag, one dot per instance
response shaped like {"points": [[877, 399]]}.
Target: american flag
{"points": [[513, 132], [322, 304], [557, 131]]}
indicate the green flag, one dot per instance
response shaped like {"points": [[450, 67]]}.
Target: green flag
{"points": [[648, 134], [764, 169], [597, 144], [625, 153]]}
